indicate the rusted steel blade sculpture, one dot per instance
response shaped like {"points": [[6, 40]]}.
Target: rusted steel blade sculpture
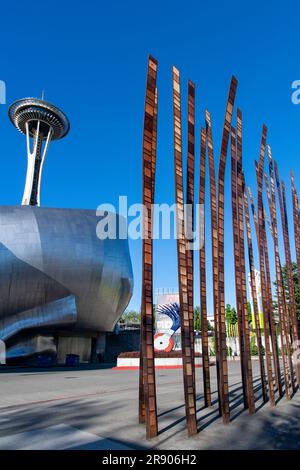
{"points": [[236, 250], [154, 143], [190, 213], [245, 323], [260, 232], [279, 279], [142, 410], [266, 215], [223, 366], [287, 312], [148, 409], [269, 304], [264, 307], [288, 259], [291, 289], [202, 268], [283, 192], [240, 271], [264, 300], [254, 297], [214, 242], [296, 219], [273, 335], [186, 347], [269, 299]]}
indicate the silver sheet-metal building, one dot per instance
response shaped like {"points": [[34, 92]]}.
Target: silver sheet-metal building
{"points": [[61, 287]]}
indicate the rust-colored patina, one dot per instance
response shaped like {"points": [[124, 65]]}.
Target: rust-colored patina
{"points": [[223, 366], [262, 262], [202, 268], [190, 200], [147, 398], [186, 346], [240, 270], [286, 353]]}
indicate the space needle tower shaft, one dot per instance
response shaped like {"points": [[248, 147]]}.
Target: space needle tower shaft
{"points": [[41, 122]]}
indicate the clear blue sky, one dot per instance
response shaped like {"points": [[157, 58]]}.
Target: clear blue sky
{"points": [[90, 58]]}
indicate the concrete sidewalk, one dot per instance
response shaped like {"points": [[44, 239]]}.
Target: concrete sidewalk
{"points": [[97, 409]]}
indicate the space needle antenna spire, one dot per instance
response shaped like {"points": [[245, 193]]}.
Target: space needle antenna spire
{"points": [[41, 122]]}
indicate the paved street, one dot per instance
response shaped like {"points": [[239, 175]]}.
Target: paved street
{"points": [[97, 409]]}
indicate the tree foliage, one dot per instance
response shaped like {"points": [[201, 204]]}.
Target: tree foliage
{"points": [[296, 284], [197, 318], [231, 320], [249, 308], [130, 316]]}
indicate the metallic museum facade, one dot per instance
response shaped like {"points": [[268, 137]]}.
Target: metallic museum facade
{"points": [[61, 286]]}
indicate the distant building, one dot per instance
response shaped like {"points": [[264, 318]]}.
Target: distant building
{"points": [[211, 320], [259, 298]]}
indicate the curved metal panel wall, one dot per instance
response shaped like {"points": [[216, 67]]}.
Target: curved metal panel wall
{"points": [[49, 254]]}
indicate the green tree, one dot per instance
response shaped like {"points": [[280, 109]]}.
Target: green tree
{"points": [[231, 320], [197, 318], [296, 284], [130, 316], [249, 308], [253, 347]]}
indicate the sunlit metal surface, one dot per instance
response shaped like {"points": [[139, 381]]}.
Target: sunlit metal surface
{"points": [[32, 345], [33, 110], [49, 255], [58, 313]]}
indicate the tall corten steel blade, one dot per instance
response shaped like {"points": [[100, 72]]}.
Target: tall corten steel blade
{"points": [[224, 386], [154, 143], [190, 211], [264, 300], [202, 266], [270, 305], [280, 292], [254, 297], [142, 409], [296, 220], [261, 249], [240, 271], [290, 276], [240, 194], [275, 233], [273, 334], [272, 325], [147, 382], [288, 260], [237, 254], [263, 259], [263, 240], [187, 357], [214, 242]]}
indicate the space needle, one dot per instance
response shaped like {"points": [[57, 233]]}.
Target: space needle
{"points": [[41, 122]]}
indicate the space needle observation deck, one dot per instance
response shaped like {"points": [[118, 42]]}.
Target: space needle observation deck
{"points": [[41, 122]]}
